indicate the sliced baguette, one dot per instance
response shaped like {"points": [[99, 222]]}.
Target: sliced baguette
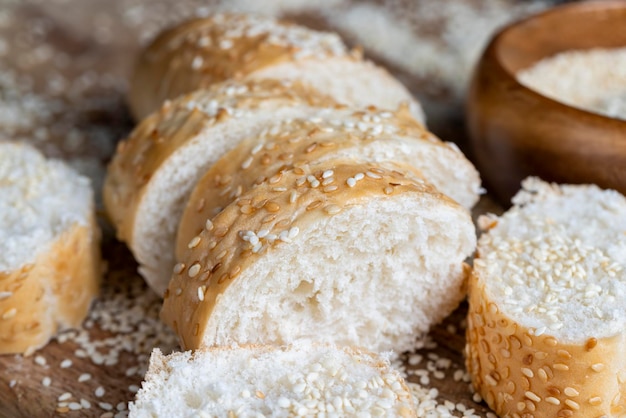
{"points": [[49, 250], [201, 52], [546, 324], [337, 252], [361, 135], [153, 172], [271, 381]]}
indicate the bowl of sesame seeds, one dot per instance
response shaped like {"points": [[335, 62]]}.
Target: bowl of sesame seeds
{"points": [[548, 98]]}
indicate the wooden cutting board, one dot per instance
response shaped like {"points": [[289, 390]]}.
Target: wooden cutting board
{"points": [[63, 66]]}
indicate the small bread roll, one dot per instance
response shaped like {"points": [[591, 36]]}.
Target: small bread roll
{"points": [[273, 382], [201, 52], [153, 172], [361, 135], [49, 250], [546, 323], [338, 252]]}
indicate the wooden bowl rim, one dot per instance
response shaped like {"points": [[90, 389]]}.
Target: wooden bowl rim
{"points": [[498, 42]]}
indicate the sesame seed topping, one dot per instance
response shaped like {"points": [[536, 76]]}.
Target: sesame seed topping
{"points": [[201, 291], [572, 404], [194, 270], [65, 364], [46, 381], [351, 182], [99, 392], [332, 209], [328, 173], [571, 392], [532, 396], [5, 295], [372, 175], [553, 400], [9, 313], [178, 268], [194, 242], [65, 397]]}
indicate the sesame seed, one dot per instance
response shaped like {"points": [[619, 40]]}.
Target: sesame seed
{"points": [[332, 209], [9, 313], [99, 392], [552, 400], [372, 175], [572, 404], [64, 397], [65, 364], [84, 377], [201, 293], [105, 406], [532, 396], [247, 162], [5, 295], [85, 403], [194, 270], [46, 381], [571, 392], [351, 182], [194, 242], [40, 360], [178, 268], [328, 173], [75, 406]]}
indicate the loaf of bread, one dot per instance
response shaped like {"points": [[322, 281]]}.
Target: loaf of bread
{"points": [[201, 52], [153, 172], [546, 330], [49, 248], [336, 251], [270, 381]]}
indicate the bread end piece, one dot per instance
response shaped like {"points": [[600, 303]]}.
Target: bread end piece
{"points": [[274, 381]]}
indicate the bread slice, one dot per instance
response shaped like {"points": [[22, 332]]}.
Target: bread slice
{"points": [[153, 172], [49, 250], [546, 324], [201, 52], [361, 135], [251, 381], [338, 252]]}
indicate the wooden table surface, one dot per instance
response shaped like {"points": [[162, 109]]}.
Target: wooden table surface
{"points": [[63, 69]]}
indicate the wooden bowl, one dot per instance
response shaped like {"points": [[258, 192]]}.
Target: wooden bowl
{"points": [[516, 132]]}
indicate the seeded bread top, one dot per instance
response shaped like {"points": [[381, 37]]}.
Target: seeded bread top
{"points": [[205, 51], [556, 261], [39, 199]]}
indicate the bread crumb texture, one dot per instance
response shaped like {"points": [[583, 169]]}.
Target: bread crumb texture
{"points": [[270, 381], [546, 323]]}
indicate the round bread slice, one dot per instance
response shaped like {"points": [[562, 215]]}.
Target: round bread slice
{"points": [[361, 135], [546, 324], [49, 250], [338, 252], [251, 381], [153, 172], [201, 52]]}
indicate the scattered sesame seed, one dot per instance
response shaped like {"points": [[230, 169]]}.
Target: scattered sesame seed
{"points": [[65, 364], [46, 381], [84, 377]]}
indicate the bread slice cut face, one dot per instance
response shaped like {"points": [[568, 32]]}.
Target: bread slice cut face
{"points": [[339, 252]]}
